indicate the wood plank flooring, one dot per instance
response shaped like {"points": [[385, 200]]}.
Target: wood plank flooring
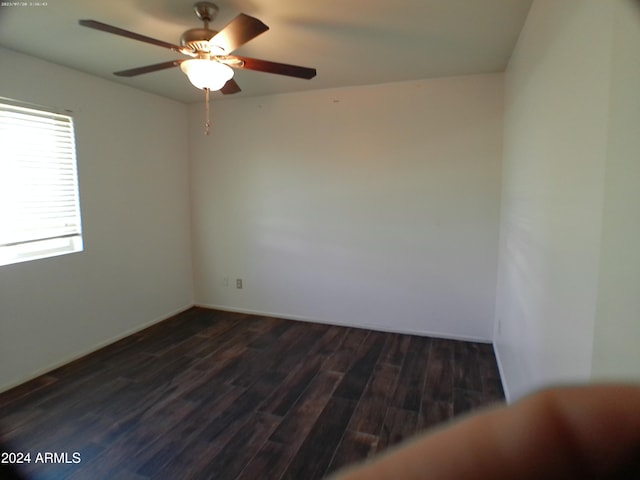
{"points": [[218, 395]]}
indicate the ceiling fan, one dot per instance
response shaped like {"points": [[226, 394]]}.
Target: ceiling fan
{"points": [[210, 51], [211, 64]]}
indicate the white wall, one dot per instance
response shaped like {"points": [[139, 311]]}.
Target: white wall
{"points": [[617, 331], [557, 94], [136, 267], [569, 274], [374, 206]]}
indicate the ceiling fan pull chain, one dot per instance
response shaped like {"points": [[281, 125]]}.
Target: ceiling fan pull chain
{"points": [[207, 122]]}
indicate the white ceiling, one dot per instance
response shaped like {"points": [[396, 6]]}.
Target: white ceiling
{"points": [[349, 42]]}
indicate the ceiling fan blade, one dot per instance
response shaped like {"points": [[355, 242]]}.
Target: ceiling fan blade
{"points": [[149, 68], [126, 33], [238, 32], [273, 67], [230, 87]]}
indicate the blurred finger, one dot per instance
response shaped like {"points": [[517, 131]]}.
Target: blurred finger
{"points": [[562, 433]]}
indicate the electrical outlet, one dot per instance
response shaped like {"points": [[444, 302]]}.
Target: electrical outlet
{"points": [[225, 281], [239, 283]]}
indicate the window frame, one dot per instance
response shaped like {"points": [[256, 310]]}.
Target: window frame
{"points": [[40, 214]]}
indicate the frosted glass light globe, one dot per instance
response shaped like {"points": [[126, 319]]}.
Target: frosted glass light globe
{"points": [[204, 73]]}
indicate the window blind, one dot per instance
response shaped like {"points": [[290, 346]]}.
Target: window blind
{"points": [[38, 176]]}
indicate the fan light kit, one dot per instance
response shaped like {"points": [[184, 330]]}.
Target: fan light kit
{"points": [[210, 67], [207, 74]]}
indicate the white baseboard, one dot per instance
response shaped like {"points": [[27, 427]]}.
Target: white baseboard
{"points": [[424, 333], [503, 379], [301, 318], [94, 348]]}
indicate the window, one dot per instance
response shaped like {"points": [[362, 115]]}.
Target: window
{"points": [[39, 202]]}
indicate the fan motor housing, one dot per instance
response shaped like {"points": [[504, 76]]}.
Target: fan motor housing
{"points": [[197, 40]]}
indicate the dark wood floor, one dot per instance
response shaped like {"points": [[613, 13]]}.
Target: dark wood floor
{"points": [[210, 394]]}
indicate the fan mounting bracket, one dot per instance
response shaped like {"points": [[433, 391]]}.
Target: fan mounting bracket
{"points": [[205, 11]]}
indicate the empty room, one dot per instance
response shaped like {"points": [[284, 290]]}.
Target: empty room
{"points": [[274, 240]]}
